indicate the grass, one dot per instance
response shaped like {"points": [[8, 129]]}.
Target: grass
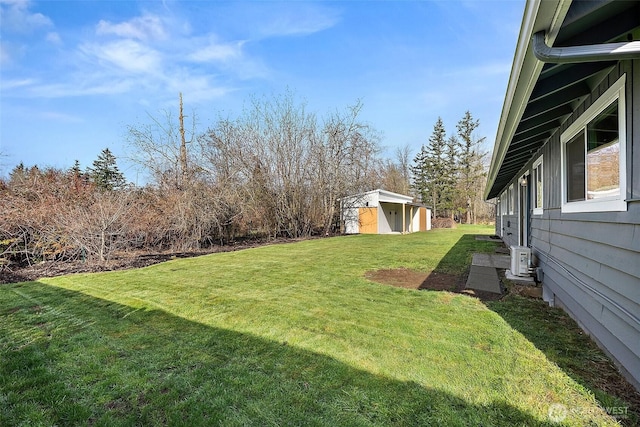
{"points": [[563, 342], [287, 334]]}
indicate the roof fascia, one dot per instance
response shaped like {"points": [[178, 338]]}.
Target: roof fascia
{"points": [[391, 196]]}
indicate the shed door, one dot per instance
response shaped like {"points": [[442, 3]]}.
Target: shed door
{"points": [[368, 218], [423, 219]]}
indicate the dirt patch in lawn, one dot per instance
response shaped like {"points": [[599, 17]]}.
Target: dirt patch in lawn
{"points": [[434, 281]]}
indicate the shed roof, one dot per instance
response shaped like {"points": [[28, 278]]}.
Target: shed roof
{"points": [[386, 196], [540, 97]]}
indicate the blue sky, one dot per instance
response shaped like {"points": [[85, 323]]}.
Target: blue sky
{"points": [[75, 74]]}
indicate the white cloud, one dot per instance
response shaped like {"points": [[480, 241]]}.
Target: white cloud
{"points": [[127, 55], [147, 27], [217, 52], [96, 86], [16, 17], [195, 88], [226, 57], [53, 37], [13, 84], [149, 57], [298, 19]]}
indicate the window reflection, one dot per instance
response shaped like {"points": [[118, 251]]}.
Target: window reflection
{"points": [[603, 155], [575, 168]]}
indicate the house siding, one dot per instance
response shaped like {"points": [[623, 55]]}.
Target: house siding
{"points": [[591, 261], [510, 230]]}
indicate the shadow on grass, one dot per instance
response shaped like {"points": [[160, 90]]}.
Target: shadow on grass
{"points": [[552, 331], [451, 272], [72, 359], [458, 259], [560, 338]]}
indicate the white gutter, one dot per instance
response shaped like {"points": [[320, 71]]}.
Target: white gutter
{"points": [[589, 53]]}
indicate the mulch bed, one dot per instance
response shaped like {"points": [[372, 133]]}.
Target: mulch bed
{"points": [[123, 261]]}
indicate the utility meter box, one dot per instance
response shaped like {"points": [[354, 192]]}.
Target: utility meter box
{"points": [[520, 257]]}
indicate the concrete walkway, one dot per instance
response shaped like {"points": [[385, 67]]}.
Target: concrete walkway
{"points": [[483, 275], [492, 260], [486, 238]]}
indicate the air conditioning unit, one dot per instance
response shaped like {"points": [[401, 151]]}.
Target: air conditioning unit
{"points": [[520, 257]]}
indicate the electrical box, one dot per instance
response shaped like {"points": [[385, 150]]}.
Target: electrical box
{"points": [[520, 257]]}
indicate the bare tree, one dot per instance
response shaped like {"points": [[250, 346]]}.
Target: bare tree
{"points": [[345, 157], [161, 148], [287, 169], [100, 225], [471, 164], [395, 175]]}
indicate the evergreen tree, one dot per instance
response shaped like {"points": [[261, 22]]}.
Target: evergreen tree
{"points": [[75, 169], [105, 173], [430, 171], [419, 174], [18, 174], [450, 192], [78, 178], [471, 167]]}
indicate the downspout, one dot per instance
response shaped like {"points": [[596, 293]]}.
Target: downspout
{"points": [[588, 53]]}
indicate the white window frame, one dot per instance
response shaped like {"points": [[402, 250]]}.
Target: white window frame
{"points": [[616, 203], [511, 200], [534, 186]]}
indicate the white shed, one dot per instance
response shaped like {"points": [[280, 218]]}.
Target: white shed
{"points": [[381, 212]]}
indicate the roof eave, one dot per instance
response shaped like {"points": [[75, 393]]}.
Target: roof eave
{"points": [[539, 15]]}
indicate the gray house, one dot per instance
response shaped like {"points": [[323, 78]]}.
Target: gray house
{"points": [[566, 164]]}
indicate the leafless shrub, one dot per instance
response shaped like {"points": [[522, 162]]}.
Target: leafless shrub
{"points": [[274, 171], [443, 223]]}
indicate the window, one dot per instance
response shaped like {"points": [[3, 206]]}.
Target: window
{"points": [[537, 187], [593, 156], [511, 196]]}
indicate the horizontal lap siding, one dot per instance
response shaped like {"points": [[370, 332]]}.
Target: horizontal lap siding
{"points": [[597, 322], [510, 230], [591, 261], [607, 269], [603, 299]]}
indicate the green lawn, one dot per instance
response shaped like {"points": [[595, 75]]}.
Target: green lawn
{"points": [[289, 334]]}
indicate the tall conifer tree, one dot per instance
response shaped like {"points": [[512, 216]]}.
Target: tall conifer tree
{"points": [[471, 167], [105, 173], [430, 170]]}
